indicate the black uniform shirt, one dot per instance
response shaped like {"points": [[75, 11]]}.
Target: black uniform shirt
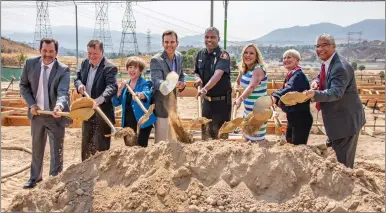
{"points": [[207, 63]]}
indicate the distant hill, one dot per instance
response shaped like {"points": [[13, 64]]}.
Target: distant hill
{"points": [[373, 29], [12, 47]]}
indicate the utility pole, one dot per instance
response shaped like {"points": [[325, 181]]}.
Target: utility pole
{"points": [[225, 22], [211, 13], [76, 26]]}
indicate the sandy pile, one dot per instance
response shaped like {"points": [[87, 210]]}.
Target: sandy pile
{"points": [[208, 176]]}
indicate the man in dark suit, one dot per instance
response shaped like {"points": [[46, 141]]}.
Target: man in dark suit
{"points": [[96, 76], [44, 85], [336, 94], [161, 65]]}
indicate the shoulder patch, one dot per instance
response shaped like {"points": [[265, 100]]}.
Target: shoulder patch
{"points": [[224, 55]]}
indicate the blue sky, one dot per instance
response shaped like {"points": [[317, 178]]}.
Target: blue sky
{"points": [[246, 19]]}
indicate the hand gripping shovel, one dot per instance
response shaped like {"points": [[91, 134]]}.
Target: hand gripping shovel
{"points": [[199, 120], [147, 114], [117, 133], [231, 126], [80, 114]]}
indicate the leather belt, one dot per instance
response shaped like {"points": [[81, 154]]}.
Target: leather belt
{"points": [[218, 98]]}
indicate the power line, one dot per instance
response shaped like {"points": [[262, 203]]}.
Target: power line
{"points": [[174, 18]]}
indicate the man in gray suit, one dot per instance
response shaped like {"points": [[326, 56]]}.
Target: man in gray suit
{"points": [[44, 85], [161, 65], [336, 94]]}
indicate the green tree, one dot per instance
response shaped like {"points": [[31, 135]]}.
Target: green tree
{"points": [[21, 58], [354, 65], [361, 67], [313, 57], [382, 76], [233, 63], [193, 51]]}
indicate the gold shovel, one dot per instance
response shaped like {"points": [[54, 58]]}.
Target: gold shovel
{"points": [[147, 114], [231, 126], [117, 133], [199, 120], [260, 114], [292, 98]]}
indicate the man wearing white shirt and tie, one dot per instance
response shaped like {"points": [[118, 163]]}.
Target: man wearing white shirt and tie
{"points": [[335, 92], [44, 85]]}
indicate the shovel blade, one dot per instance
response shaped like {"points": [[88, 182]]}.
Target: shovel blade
{"points": [[82, 103], [293, 97], [230, 126], [145, 117], [81, 114], [121, 133], [198, 121]]}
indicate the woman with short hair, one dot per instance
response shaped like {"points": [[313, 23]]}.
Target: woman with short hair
{"points": [[299, 116]]}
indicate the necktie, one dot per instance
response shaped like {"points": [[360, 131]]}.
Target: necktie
{"points": [[45, 89], [322, 81]]}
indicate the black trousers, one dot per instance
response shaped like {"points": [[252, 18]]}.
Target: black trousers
{"points": [[345, 149], [299, 126], [144, 133], [93, 136], [219, 112]]}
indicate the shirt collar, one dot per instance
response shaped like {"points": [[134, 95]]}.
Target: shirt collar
{"points": [[167, 57], [49, 66], [96, 67], [215, 52], [328, 61]]}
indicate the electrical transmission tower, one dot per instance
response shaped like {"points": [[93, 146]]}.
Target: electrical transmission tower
{"points": [[350, 38], [148, 41], [102, 29], [128, 33], [43, 27]]}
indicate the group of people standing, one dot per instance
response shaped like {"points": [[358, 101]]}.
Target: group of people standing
{"points": [[45, 85]]}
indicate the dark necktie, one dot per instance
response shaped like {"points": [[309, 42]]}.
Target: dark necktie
{"points": [[322, 81]]}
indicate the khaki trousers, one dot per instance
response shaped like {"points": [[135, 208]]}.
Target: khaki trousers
{"points": [[162, 130]]}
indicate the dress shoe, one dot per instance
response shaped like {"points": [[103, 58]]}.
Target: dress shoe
{"points": [[31, 184]]}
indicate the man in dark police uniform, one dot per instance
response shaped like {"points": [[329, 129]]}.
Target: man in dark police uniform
{"points": [[212, 73]]}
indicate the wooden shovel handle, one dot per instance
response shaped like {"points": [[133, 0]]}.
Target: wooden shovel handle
{"points": [[199, 103], [136, 99], [105, 118], [277, 119], [39, 111], [50, 113], [235, 108]]}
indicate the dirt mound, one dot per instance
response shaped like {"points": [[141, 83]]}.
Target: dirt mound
{"points": [[208, 176]]}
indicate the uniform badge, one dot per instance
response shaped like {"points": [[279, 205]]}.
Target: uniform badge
{"points": [[224, 55]]}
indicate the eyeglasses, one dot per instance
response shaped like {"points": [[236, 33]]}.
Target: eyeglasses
{"points": [[322, 45]]}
